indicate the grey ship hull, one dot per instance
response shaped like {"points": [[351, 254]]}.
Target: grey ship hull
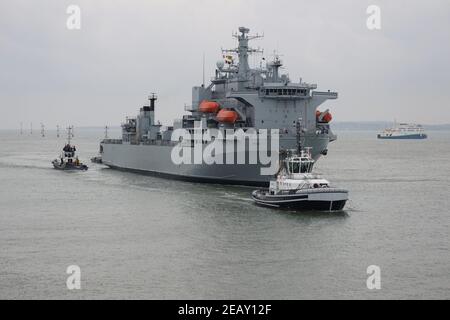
{"points": [[156, 160]]}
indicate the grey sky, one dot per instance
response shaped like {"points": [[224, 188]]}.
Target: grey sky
{"points": [[127, 49]]}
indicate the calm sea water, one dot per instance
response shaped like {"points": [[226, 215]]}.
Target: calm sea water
{"points": [[137, 236]]}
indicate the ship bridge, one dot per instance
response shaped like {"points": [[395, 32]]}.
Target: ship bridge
{"points": [[282, 91]]}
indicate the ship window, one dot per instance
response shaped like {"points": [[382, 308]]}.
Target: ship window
{"points": [[294, 167], [267, 92], [305, 167], [280, 92]]}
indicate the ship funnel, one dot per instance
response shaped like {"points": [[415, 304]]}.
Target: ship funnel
{"points": [[152, 99]]}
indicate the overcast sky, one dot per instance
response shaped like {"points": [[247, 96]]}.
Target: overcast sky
{"points": [[127, 49]]}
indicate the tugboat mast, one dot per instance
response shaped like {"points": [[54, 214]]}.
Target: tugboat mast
{"points": [[69, 134], [298, 126]]}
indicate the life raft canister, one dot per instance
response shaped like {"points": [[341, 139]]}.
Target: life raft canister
{"points": [[209, 106], [227, 116]]}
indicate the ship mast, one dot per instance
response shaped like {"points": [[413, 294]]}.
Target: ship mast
{"points": [[152, 98], [243, 50], [42, 130]]}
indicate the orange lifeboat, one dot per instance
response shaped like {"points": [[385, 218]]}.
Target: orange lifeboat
{"points": [[327, 117], [324, 116], [227, 116], [209, 106]]}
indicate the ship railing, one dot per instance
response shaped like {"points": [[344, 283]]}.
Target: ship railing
{"points": [[322, 128], [112, 141], [159, 142], [189, 108], [325, 94]]}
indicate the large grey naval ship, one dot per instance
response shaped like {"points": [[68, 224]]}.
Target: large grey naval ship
{"points": [[239, 97]]}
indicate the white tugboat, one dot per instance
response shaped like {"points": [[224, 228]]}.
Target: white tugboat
{"points": [[297, 187], [68, 160]]}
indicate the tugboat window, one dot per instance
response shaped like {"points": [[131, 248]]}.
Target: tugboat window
{"points": [[294, 167], [305, 167]]}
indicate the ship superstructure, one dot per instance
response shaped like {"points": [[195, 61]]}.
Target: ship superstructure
{"points": [[239, 97]]}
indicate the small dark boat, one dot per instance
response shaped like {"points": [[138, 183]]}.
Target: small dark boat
{"points": [[296, 187], [68, 160], [97, 159]]}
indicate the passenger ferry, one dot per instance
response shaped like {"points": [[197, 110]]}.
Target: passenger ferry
{"points": [[404, 131]]}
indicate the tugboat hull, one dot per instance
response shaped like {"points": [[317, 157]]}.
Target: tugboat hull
{"points": [[67, 166], [320, 200]]}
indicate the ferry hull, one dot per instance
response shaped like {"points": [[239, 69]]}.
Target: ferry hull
{"points": [[404, 137]]}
